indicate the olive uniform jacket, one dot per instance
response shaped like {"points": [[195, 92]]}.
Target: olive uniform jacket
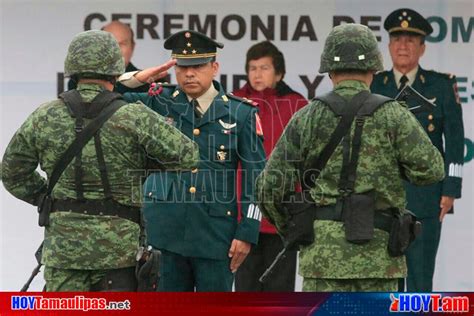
{"points": [[194, 214], [445, 121]]}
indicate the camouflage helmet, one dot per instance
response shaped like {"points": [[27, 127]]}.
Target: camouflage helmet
{"points": [[94, 52], [351, 46]]}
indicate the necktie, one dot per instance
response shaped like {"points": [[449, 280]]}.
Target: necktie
{"points": [[196, 108], [403, 82]]}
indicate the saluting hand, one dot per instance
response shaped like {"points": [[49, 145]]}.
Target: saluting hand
{"points": [[446, 204], [238, 252], [154, 73]]}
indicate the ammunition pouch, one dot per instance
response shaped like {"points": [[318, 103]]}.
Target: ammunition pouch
{"points": [[117, 280], [403, 232], [358, 212], [45, 207], [147, 270]]}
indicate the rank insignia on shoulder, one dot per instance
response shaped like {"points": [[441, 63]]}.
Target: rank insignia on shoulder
{"points": [[245, 100]]}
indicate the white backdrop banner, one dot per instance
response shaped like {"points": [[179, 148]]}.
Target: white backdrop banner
{"points": [[34, 36]]}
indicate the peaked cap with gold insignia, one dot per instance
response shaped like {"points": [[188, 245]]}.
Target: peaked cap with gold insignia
{"points": [[192, 48], [407, 21]]}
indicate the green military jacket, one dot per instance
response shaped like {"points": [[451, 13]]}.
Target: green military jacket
{"points": [[133, 134], [443, 125], [393, 142], [195, 213]]}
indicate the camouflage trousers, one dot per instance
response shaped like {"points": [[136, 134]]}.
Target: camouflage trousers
{"points": [[350, 285], [69, 280]]}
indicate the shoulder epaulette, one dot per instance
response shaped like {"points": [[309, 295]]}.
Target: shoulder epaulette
{"points": [[383, 72], [242, 100], [444, 75]]}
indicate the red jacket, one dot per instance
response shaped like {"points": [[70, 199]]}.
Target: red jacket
{"points": [[276, 107]]}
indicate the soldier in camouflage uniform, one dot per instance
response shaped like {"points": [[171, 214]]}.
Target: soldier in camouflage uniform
{"points": [[391, 139], [79, 249], [443, 124]]}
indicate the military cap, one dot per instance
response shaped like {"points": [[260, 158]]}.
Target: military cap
{"points": [[407, 21], [192, 48]]}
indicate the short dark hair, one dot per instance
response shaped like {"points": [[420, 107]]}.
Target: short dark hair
{"points": [[267, 49]]}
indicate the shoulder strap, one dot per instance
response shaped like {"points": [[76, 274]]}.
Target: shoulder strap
{"points": [[81, 140], [352, 107], [373, 102], [349, 166]]}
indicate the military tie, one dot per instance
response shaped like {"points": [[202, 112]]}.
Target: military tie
{"points": [[197, 108], [403, 82]]}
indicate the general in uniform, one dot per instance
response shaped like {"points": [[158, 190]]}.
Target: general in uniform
{"points": [[444, 126], [192, 217], [392, 143], [87, 247]]}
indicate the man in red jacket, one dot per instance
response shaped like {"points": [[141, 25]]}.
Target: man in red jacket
{"points": [[277, 102]]}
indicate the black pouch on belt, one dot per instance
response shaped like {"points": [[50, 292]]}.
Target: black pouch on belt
{"points": [[300, 225], [404, 230], [358, 215], [44, 209]]}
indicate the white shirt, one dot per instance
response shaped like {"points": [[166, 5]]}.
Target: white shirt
{"points": [[206, 99]]}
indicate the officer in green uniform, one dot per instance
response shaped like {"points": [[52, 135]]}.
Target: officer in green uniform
{"points": [[92, 240], [192, 217], [407, 30], [391, 143]]}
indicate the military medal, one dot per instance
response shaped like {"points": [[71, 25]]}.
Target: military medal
{"points": [[431, 127], [221, 155]]}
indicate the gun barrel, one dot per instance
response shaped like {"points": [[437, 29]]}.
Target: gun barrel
{"points": [[269, 270], [32, 276]]}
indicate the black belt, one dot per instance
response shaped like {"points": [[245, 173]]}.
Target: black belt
{"points": [[383, 219], [98, 207]]}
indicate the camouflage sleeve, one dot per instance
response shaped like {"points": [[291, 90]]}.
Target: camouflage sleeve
{"points": [[453, 132], [277, 181], [19, 165], [420, 161], [163, 143]]}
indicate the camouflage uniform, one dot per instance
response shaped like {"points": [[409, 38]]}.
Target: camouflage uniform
{"points": [[78, 248], [392, 138]]}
